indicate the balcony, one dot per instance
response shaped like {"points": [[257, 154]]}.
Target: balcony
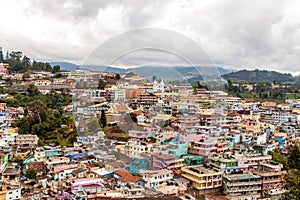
{"points": [[246, 189], [244, 183], [276, 180], [265, 173], [271, 187]]}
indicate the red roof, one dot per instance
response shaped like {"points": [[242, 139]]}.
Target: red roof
{"points": [[127, 177]]}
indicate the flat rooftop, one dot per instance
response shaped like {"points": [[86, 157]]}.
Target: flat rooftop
{"points": [[202, 169], [241, 176]]}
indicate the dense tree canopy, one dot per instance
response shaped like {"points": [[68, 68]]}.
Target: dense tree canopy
{"points": [[43, 116], [31, 173], [21, 63], [56, 69], [294, 157], [258, 76], [292, 164], [276, 156], [292, 185]]}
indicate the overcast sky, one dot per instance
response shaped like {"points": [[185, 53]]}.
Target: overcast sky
{"points": [[237, 34]]}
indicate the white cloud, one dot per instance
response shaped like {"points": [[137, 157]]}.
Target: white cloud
{"points": [[240, 34]]}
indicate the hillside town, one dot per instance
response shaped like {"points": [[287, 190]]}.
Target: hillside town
{"points": [[125, 137]]}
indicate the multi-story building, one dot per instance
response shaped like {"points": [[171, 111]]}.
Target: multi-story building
{"points": [[245, 186], [146, 99], [253, 159], [272, 178], [40, 167], [132, 191], [136, 164], [118, 94], [46, 152], [228, 164], [221, 145], [156, 177], [11, 173], [192, 159], [205, 179], [42, 83], [13, 193], [177, 149], [203, 147], [281, 138], [53, 162], [139, 141], [165, 161], [39, 154], [27, 141], [3, 192], [136, 147]]}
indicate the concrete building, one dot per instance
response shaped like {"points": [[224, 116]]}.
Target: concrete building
{"points": [[272, 178], [27, 141], [136, 164], [245, 186], [203, 178], [203, 147], [13, 193], [253, 159], [156, 177], [228, 164], [165, 161]]}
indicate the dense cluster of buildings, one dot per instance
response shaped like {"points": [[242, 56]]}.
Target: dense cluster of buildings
{"points": [[185, 143]]}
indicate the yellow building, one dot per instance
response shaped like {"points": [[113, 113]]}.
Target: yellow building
{"points": [[3, 192], [203, 178]]}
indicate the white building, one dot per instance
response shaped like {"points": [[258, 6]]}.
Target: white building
{"points": [[155, 177], [158, 87], [13, 193]]}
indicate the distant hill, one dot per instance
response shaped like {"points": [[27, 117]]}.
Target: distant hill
{"points": [[178, 72], [166, 73], [108, 69], [297, 80], [258, 76], [65, 65], [115, 70]]}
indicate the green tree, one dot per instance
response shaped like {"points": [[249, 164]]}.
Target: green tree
{"points": [[117, 76], [103, 119], [154, 78], [293, 157], [30, 173], [229, 85], [16, 55], [40, 129], [32, 90], [276, 156], [25, 63], [38, 110], [1, 54], [26, 75], [24, 125], [15, 62], [58, 75], [292, 185], [101, 84], [19, 162], [56, 69], [42, 66]]}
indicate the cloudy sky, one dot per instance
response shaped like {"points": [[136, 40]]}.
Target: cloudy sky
{"points": [[233, 33]]}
